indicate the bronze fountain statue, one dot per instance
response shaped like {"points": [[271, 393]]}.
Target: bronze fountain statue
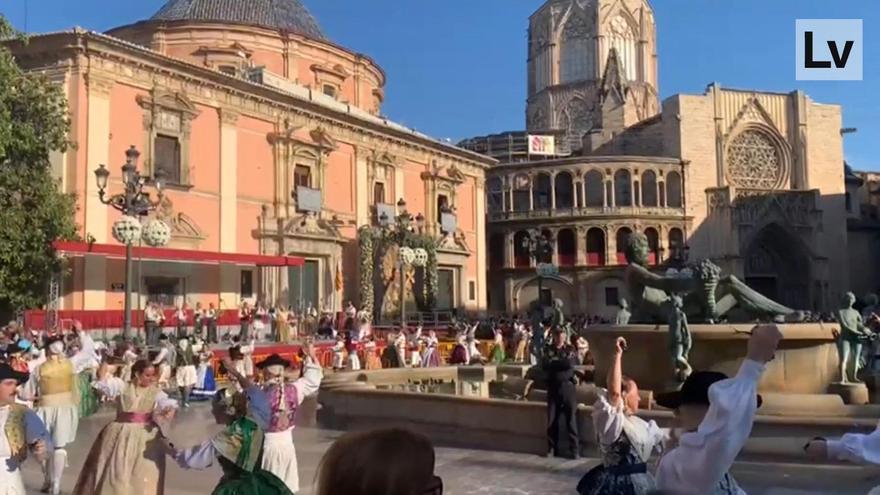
{"points": [[706, 295]]}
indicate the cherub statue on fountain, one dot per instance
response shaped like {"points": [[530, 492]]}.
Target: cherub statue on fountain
{"points": [[852, 336], [706, 295], [679, 340]]}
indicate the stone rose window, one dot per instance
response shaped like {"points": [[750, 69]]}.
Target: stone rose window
{"points": [[754, 161]]}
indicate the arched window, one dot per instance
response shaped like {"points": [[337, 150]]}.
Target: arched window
{"points": [[673, 190], [496, 251], [576, 55], [595, 194], [564, 190], [622, 188], [649, 188], [542, 191], [521, 258], [595, 247], [566, 249], [495, 188], [653, 245], [521, 194], [622, 238]]}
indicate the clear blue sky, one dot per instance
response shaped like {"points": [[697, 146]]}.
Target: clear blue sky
{"points": [[456, 68]]}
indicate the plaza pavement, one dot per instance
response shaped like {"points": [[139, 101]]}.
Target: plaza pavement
{"points": [[464, 472]]}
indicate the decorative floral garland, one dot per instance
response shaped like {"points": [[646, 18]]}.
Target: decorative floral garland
{"points": [[374, 244], [366, 241]]}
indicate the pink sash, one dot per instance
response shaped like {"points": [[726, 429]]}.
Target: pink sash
{"points": [[133, 417]]}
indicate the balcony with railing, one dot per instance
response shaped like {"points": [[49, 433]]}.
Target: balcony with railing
{"points": [[627, 192]]}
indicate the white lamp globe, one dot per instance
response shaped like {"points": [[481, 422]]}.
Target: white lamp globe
{"points": [[420, 257], [127, 229], [406, 256], [156, 233]]}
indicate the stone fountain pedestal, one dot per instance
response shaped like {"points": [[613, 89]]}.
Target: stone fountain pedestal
{"points": [[852, 393], [806, 362]]}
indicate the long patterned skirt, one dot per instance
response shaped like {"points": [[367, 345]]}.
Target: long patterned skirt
{"points": [[88, 401]]}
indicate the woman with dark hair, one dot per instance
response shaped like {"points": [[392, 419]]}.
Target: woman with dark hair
{"points": [[238, 449], [625, 440], [128, 456], [388, 462]]}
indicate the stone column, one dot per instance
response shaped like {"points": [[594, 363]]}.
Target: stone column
{"points": [[99, 87], [610, 246], [228, 182], [580, 245], [531, 194], [362, 187], [482, 251], [553, 192], [555, 243], [509, 261]]}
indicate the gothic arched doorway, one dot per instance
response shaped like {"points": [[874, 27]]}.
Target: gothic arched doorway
{"points": [[778, 266]]}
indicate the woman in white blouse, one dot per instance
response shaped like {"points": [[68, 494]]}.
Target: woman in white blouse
{"points": [[127, 457], [625, 440]]}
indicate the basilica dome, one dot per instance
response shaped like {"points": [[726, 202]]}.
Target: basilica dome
{"points": [[283, 15]]}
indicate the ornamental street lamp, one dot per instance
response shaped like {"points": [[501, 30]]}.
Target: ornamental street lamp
{"points": [[133, 203], [407, 257], [539, 246]]}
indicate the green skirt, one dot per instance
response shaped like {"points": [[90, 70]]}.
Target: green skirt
{"points": [[236, 481], [88, 401]]}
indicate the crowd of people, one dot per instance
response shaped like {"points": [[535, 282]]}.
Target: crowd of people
{"points": [[49, 381]]}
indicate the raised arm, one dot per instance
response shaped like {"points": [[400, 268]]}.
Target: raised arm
{"points": [[242, 380], [703, 457], [615, 373], [310, 381]]}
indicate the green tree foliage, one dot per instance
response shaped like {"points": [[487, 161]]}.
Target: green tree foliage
{"points": [[34, 122]]}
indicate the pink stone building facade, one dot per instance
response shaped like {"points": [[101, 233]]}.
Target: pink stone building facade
{"points": [[258, 120]]}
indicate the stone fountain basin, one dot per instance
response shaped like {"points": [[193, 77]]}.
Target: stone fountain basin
{"points": [[352, 401], [806, 362]]}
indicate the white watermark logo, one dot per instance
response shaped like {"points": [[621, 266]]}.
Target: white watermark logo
{"points": [[829, 50]]}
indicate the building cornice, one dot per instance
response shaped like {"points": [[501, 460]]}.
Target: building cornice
{"points": [[587, 160], [212, 88]]}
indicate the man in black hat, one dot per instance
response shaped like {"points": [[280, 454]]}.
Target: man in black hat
{"points": [[715, 415], [23, 429], [559, 359]]}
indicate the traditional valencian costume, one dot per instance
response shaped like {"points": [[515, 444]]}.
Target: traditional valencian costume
{"points": [[206, 386], [128, 458], [20, 429], [431, 359], [625, 444], [53, 387], [238, 449], [185, 374], [274, 406]]}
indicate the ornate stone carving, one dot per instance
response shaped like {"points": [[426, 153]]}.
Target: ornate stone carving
{"points": [[795, 207], [228, 117], [100, 84], [311, 224], [754, 161], [182, 225], [454, 241]]}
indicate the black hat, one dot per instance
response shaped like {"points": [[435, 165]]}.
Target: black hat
{"points": [[7, 372], [163, 337], [53, 338], [274, 360], [695, 390], [235, 353]]}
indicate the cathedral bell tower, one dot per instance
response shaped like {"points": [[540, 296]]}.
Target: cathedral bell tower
{"points": [[592, 69]]}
